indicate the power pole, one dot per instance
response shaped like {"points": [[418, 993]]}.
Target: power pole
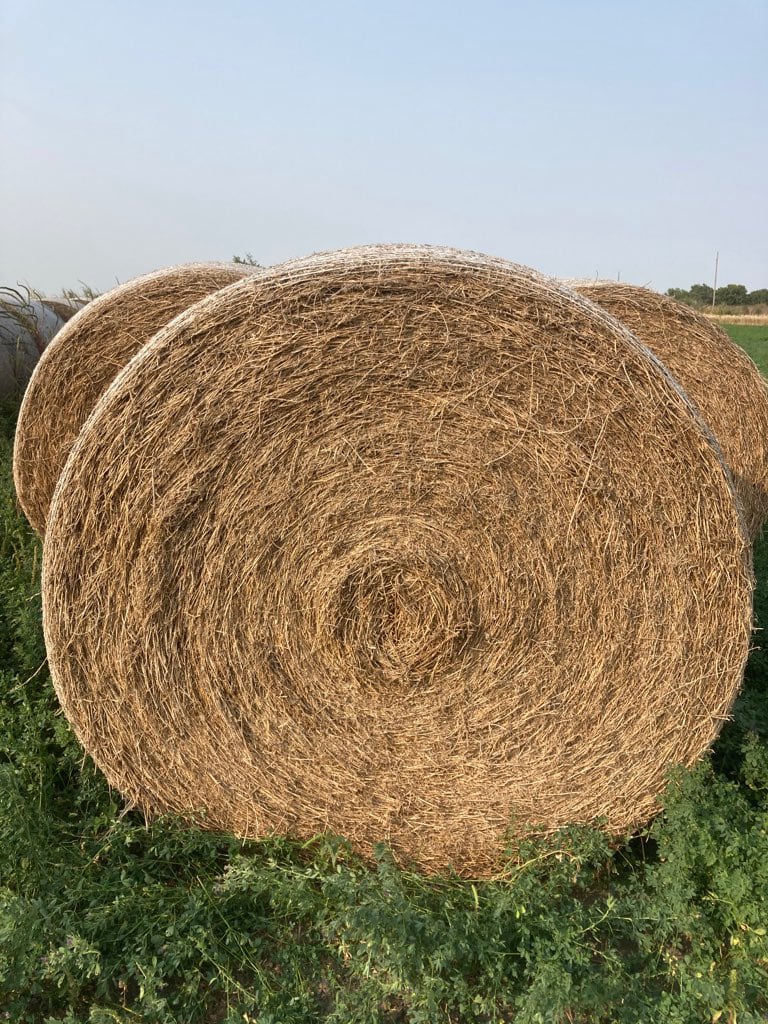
{"points": [[714, 287]]}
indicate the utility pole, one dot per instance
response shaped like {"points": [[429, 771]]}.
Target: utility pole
{"points": [[714, 287]]}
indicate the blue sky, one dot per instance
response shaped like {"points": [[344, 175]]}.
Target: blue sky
{"points": [[578, 138]]}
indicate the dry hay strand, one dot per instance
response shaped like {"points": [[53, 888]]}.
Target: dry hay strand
{"points": [[83, 360], [65, 308], [718, 376], [402, 543]]}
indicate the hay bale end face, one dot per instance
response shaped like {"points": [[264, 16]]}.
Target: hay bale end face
{"points": [[717, 375], [406, 544], [83, 359]]}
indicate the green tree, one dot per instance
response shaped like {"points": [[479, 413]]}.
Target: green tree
{"points": [[701, 295], [731, 295]]}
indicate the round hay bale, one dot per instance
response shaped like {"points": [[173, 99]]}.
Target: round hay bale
{"points": [[718, 376], [27, 325], [82, 361], [65, 307], [403, 543]]}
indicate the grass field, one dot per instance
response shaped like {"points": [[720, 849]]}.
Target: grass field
{"points": [[105, 920], [753, 338]]}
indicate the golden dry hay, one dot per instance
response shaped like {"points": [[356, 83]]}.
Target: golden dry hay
{"points": [[718, 376], [403, 543], [82, 361]]}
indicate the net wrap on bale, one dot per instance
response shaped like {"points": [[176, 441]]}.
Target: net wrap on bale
{"points": [[82, 361], [717, 375], [403, 543]]}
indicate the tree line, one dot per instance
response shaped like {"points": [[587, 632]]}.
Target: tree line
{"points": [[728, 295]]}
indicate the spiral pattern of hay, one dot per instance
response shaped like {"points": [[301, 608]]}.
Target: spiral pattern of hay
{"points": [[83, 360], [718, 376], [403, 543]]}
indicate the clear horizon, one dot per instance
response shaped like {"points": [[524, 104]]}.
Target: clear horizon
{"points": [[570, 138]]}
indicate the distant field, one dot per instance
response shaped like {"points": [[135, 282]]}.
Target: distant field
{"points": [[753, 338], [739, 318]]}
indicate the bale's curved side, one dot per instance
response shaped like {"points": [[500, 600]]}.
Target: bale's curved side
{"points": [[402, 543], [26, 327], [718, 376], [83, 359]]}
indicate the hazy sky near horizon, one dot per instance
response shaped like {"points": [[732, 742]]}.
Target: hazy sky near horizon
{"points": [[582, 138]]}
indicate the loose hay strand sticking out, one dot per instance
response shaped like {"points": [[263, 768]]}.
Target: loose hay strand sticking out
{"points": [[82, 361], [718, 376], [402, 543]]}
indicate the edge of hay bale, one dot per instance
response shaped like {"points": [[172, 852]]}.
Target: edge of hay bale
{"points": [[77, 367], [721, 381]]}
